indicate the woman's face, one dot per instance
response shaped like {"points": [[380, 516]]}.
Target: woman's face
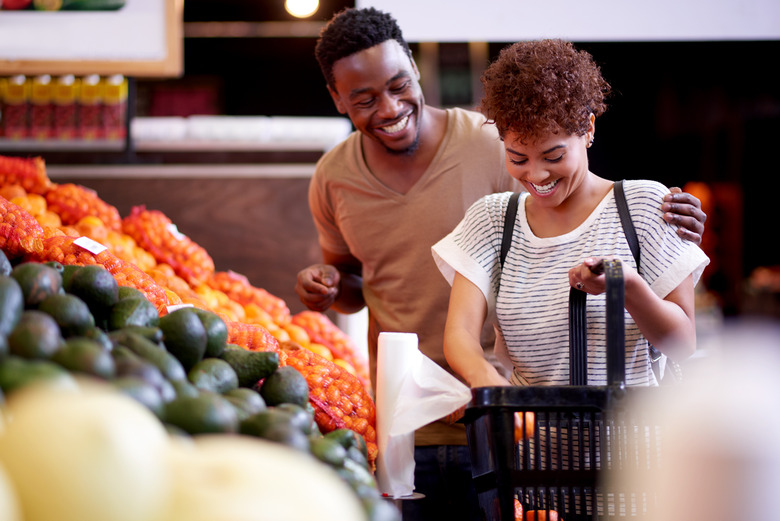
{"points": [[550, 167]]}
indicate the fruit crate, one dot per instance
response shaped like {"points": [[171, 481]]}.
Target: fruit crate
{"points": [[552, 448]]}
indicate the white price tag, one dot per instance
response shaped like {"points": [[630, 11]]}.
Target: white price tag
{"points": [[91, 246], [175, 231], [173, 308]]}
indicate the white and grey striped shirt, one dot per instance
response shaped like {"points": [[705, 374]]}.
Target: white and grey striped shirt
{"points": [[532, 304]]}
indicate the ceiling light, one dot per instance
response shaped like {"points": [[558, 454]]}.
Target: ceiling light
{"points": [[301, 8]]}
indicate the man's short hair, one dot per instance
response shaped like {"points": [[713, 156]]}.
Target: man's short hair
{"points": [[353, 30]]}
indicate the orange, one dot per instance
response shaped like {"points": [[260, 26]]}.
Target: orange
{"points": [[346, 365], [323, 351], [297, 334]]}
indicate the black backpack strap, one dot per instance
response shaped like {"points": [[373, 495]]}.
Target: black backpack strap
{"points": [[625, 219], [509, 226], [633, 243]]}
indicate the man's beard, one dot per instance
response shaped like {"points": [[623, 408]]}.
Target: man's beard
{"points": [[408, 151]]}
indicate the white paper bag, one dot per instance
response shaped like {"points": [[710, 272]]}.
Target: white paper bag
{"points": [[411, 391]]}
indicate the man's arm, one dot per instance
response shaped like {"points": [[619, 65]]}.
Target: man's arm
{"points": [[684, 210], [336, 283]]}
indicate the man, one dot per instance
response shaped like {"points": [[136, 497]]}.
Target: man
{"points": [[383, 197]]}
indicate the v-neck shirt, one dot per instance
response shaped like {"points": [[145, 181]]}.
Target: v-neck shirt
{"points": [[391, 233]]}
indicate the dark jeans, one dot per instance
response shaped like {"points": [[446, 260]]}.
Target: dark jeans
{"points": [[443, 474]]}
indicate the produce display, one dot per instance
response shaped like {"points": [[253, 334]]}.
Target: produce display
{"points": [[63, 5], [138, 307]]}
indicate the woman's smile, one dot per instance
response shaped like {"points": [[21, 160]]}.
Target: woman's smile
{"points": [[545, 189]]}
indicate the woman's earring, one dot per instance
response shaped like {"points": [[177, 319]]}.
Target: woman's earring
{"points": [[590, 143]]}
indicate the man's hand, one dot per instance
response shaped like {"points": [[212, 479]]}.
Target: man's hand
{"points": [[684, 210], [318, 286]]}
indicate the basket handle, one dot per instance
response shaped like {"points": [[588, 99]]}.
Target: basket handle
{"points": [[616, 350]]}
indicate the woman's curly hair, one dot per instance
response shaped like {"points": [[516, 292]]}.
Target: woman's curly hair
{"points": [[538, 87], [353, 30]]}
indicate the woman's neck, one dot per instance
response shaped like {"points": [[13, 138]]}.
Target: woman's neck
{"points": [[571, 213]]}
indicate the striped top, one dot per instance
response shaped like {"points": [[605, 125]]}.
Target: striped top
{"points": [[531, 307]]}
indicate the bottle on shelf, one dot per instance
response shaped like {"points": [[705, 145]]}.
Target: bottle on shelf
{"points": [[16, 99]]}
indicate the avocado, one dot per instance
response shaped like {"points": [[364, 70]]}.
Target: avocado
{"points": [[170, 367], [250, 366]]}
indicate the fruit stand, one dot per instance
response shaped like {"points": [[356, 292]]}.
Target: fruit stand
{"points": [[145, 373], [89, 293]]}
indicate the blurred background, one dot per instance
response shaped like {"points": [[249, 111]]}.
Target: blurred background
{"points": [[695, 105], [698, 112]]}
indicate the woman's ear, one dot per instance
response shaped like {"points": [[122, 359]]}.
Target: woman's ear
{"points": [[591, 133]]}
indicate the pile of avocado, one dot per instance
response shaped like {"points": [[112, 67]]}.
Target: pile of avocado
{"points": [[60, 322]]}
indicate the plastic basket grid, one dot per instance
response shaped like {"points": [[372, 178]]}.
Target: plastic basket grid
{"points": [[579, 434]]}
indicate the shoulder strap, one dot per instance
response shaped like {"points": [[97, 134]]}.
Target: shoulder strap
{"points": [[625, 219], [509, 226], [633, 243]]}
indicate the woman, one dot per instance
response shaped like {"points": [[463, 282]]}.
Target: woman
{"points": [[544, 97]]}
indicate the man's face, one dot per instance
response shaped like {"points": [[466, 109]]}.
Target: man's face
{"points": [[379, 90]]}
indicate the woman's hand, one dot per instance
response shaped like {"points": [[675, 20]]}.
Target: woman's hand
{"points": [[488, 378], [588, 276], [462, 348]]}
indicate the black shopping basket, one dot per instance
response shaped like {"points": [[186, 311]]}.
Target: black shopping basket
{"points": [[549, 447]]}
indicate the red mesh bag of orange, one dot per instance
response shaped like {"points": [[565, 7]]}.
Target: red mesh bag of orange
{"points": [[20, 233], [64, 250], [165, 277], [339, 399], [155, 233], [323, 331], [29, 173], [253, 337], [239, 289], [73, 202]]}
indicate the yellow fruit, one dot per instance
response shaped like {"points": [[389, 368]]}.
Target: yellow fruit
{"points": [[209, 297], [240, 477], [9, 502], [34, 204], [143, 259], [297, 334], [233, 309], [173, 297], [48, 218], [278, 333], [90, 221], [321, 350], [89, 454], [257, 315], [346, 365]]}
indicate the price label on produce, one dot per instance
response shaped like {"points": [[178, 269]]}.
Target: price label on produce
{"points": [[91, 246], [173, 308], [175, 231]]}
